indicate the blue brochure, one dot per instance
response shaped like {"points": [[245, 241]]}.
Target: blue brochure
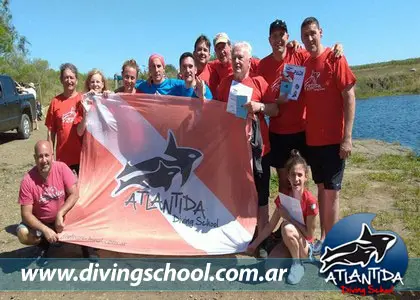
{"points": [[285, 87], [241, 111]]}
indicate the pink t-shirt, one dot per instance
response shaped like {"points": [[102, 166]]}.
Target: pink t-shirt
{"points": [[47, 197]]}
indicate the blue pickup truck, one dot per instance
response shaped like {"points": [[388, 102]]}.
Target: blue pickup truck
{"points": [[16, 111]]}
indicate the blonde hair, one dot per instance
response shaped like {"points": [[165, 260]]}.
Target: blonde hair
{"points": [[89, 77]]}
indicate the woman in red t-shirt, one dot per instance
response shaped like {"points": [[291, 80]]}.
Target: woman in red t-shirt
{"points": [[296, 236]]}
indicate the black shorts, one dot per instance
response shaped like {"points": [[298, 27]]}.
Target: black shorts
{"points": [[262, 182], [326, 165], [283, 144], [75, 168]]}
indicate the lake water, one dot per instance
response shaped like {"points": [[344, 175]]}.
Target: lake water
{"points": [[390, 119]]}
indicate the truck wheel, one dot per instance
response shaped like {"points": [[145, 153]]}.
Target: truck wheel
{"points": [[24, 130]]}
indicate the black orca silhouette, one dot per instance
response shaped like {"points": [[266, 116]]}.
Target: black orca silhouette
{"points": [[348, 252], [359, 256], [162, 177], [381, 241], [183, 158]]}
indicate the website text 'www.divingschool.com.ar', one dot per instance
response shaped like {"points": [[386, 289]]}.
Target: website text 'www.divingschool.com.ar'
{"points": [[135, 277]]}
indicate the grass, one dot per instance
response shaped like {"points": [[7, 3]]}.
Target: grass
{"points": [[357, 159], [400, 176], [353, 187], [387, 78], [386, 177]]}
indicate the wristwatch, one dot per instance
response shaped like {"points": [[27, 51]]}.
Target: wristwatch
{"points": [[262, 107]]}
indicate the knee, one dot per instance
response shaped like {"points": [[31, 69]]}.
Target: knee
{"points": [[23, 235], [289, 232]]}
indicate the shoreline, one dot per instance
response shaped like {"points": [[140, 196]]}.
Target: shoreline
{"points": [[376, 147], [371, 97]]}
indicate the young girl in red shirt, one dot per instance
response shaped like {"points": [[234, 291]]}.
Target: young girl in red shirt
{"points": [[296, 236]]}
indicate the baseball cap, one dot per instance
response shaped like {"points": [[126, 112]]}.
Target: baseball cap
{"points": [[278, 24], [220, 38]]}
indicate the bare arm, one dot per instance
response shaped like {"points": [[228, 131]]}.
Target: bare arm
{"points": [[268, 229], [310, 226], [51, 137], [270, 109], [73, 196], [349, 110], [300, 227], [81, 127], [29, 219], [285, 215]]}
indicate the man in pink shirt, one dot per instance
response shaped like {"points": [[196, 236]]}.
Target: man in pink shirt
{"points": [[47, 192]]}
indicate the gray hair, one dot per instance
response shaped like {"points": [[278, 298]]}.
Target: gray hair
{"points": [[243, 45], [69, 66]]}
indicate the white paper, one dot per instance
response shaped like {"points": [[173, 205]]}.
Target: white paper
{"points": [[294, 74], [236, 89], [292, 205]]}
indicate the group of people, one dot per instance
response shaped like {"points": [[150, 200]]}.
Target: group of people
{"points": [[315, 131]]}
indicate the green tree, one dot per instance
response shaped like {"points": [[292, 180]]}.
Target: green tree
{"points": [[10, 40], [171, 71]]}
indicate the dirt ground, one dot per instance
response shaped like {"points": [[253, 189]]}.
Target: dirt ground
{"points": [[16, 158]]}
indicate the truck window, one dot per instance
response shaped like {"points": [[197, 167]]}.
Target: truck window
{"points": [[1, 91]]}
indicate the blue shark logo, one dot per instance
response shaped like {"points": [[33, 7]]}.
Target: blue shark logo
{"points": [[359, 251], [360, 260]]}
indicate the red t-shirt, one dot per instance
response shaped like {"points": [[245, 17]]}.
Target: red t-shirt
{"points": [[291, 117], [62, 118], [325, 78], [259, 94], [221, 72], [309, 205], [47, 197], [205, 74]]}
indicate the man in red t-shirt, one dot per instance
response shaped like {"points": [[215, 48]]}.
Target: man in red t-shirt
{"points": [[62, 119], [47, 192], [260, 104], [222, 66], [201, 54], [287, 129], [330, 106]]}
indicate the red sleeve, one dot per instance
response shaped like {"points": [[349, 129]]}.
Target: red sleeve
{"points": [[266, 94], [344, 76], [49, 120], [311, 203], [25, 195], [69, 178]]}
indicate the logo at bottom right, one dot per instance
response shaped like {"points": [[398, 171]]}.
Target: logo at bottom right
{"points": [[360, 260]]}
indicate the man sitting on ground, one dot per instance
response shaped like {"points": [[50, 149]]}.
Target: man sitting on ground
{"points": [[47, 192]]}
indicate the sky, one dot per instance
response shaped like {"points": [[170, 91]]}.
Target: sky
{"points": [[103, 34]]}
